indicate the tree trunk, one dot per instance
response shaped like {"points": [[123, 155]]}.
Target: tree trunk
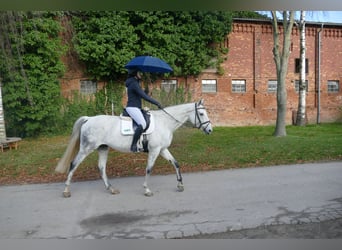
{"points": [[281, 58], [2, 119], [280, 129], [301, 121]]}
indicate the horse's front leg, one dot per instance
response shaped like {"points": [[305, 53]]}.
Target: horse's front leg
{"points": [[152, 156], [103, 155], [168, 156]]}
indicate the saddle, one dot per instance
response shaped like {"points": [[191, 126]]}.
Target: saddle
{"points": [[128, 125]]}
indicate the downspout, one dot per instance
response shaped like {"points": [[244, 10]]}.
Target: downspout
{"points": [[319, 76]]}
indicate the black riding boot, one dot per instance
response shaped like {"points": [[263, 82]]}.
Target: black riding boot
{"points": [[136, 137]]}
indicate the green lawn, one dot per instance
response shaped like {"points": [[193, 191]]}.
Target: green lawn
{"points": [[226, 147], [255, 146]]}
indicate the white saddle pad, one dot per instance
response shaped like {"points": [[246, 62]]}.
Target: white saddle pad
{"points": [[127, 125]]}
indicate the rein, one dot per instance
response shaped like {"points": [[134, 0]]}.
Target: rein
{"points": [[197, 117], [171, 116]]}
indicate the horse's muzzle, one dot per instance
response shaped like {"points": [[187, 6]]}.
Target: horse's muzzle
{"points": [[208, 129]]}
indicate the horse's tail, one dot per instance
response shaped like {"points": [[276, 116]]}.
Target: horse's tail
{"points": [[72, 148]]}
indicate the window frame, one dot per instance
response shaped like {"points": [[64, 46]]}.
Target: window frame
{"points": [[273, 89], [296, 85], [207, 86], [88, 87], [297, 65], [239, 82], [169, 85], [333, 90]]}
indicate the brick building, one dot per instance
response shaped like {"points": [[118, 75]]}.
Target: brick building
{"points": [[246, 93]]}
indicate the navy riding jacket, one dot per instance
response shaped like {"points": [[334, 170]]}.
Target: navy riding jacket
{"points": [[135, 93]]}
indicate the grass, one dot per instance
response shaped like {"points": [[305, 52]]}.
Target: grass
{"points": [[255, 146], [226, 147]]}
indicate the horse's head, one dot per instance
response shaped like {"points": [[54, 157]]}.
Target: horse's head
{"points": [[200, 118]]}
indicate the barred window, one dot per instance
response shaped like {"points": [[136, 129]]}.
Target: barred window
{"points": [[209, 86], [333, 86], [272, 86], [238, 86], [169, 85], [88, 87], [297, 85]]}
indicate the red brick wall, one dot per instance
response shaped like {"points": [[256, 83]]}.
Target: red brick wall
{"points": [[250, 58], [75, 70]]}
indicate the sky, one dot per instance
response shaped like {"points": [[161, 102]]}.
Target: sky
{"points": [[320, 16], [324, 16]]}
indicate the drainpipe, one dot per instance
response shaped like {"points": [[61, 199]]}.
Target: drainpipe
{"points": [[319, 76]]}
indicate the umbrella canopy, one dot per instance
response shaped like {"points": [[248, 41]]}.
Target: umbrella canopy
{"points": [[149, 64]]}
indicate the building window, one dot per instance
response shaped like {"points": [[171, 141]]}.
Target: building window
{"points": [[297, 65], [169, 85], [333, 86], [297, 85], [238, 86], [272, 86], [209, 86], [88, 87]]}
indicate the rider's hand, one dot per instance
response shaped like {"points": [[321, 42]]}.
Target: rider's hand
{"points": [[160, 106]]}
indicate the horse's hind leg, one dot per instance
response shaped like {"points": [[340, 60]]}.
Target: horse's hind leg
{"points": [[168, 156], [73, 166], [103, 155]]}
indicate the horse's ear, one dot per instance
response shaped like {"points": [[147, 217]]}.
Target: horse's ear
{"points": [[201, 102]]}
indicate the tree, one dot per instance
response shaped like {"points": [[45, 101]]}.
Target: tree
{"points": [[281, 56], [29, 67], [107, 40], [301, 112]]}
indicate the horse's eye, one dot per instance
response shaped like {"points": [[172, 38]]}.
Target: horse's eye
{"points": [[201, 114]]}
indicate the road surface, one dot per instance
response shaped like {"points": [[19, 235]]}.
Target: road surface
{"points": [[230, 201]]}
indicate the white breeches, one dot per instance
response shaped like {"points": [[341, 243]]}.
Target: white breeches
{"points": [[137, 116]]}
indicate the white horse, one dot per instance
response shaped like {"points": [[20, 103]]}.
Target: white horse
{"points": [[103, 131]]}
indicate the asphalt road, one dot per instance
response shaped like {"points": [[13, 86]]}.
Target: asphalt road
{"points": [[243, 203]]}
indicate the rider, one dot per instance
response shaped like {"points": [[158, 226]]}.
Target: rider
{"points": [[133, 108]]}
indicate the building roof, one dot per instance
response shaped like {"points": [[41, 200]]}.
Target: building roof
{"points": [[254, 20]]}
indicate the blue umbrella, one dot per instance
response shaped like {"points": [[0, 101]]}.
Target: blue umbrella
{"points": [[149, 64]]}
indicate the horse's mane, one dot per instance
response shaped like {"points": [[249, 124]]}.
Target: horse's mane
{"points": [[176, 106]]}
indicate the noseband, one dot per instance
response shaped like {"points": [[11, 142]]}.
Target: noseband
{"points": [[197, 117]]}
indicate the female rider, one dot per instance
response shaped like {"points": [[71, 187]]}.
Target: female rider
{"points": [[135, 94]]}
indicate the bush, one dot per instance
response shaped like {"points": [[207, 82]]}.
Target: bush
{"points": [[87, 105]]}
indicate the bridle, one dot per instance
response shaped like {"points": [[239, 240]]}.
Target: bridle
{"points": [[197, 117]]}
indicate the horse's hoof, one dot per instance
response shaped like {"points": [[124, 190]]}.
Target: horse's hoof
{"points": [[180, 187], [114, 191], [148, 194], [66, 194]]}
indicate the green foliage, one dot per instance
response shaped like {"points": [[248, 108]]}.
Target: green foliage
{"points": [[249, 14], [31, 50], [107, 40], [173, 97], [88, 105], [30, 67], [109, 97]]}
